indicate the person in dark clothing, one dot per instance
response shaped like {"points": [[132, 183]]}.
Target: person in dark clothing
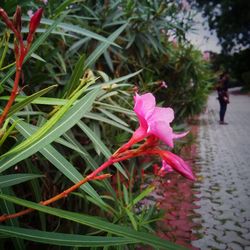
{"points": [[223, 96]]}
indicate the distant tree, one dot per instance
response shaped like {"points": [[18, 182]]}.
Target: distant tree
{"points": [[230, 19]]}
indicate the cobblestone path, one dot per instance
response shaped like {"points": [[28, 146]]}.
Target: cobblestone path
{"points": [[224, 162]]}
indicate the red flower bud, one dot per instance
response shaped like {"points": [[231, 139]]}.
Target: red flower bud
{"points": [[17, 21], [35, 21], [6, 19]]}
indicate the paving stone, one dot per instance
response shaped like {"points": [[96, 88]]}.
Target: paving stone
{"points": [[223, 159], [234, 246], [215, 245], [231, 226]]}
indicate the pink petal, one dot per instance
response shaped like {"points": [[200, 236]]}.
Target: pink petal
{"points": [[166, 167], [154, 120], [138, 135], [177, 136], [163, 131], [144, 105], [159, 125]]}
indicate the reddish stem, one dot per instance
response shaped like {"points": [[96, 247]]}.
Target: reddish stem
{"points": [[13, 95], [66, 192]]}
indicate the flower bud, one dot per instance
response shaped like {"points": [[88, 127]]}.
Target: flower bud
{"points": [[35, 21], [17, 21], [6, 19]]}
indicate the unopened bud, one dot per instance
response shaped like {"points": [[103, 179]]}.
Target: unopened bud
{"points": [[35, 21], [6, 19], [17, 20]]}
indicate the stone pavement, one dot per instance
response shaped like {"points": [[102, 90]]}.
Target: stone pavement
{"points": [[224, 163]]}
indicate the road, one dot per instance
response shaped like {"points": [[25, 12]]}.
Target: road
{"points": [[224, 186]]}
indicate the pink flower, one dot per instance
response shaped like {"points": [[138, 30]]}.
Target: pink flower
{"points": [[153, 120], [154, 126], [206, 56], [164, 84], [30, 13]]}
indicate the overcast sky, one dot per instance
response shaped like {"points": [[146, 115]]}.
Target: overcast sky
{"points": [[201, 36]]}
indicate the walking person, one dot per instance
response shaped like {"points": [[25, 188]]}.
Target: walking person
{"points": [[223, 96]]}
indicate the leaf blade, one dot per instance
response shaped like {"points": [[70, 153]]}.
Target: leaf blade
{"points": [[100, 224], [63, 239], [14, 179]]}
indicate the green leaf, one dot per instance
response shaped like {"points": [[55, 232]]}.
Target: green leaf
{"points": [[142, 195], [116, 108], [62, 164], [91, 163], [62, 239], [70, 118], [99, 224], [76, 29], [96, 140], [132, 218], [125, 194], [102, 47], [15, 108], [112, 83], [14, 179], [76, 75], [9, 208], [40, 133], [66, 168], [40, 100], [100, 118], [62, 6], [113, 117]]}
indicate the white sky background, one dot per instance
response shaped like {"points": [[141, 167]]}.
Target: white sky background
{"points": [[201, 36]]}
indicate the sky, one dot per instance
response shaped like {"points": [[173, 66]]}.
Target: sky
{"points": [[201, 37]]}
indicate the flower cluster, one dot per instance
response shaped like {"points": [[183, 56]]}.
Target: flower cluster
{"points": [[21, 48], [155, 127]]}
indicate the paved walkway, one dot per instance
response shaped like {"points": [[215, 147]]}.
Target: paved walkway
{"points": [[224, 162]]}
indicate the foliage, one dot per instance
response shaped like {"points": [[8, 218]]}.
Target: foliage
{"points": [[230, 20], [74, 109], [237, 66]]}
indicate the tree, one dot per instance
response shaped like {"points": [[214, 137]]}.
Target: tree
{"points": [[231, 20]]}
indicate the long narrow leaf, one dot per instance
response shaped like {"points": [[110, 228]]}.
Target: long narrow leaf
{"points": [[15, 108], [70, 118], [99, 224], [76, 75], [76, 29], [102, 47], [40, 133], [7, 208], [14, 179], [62, 239], [62, 164], [96, 140]]}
